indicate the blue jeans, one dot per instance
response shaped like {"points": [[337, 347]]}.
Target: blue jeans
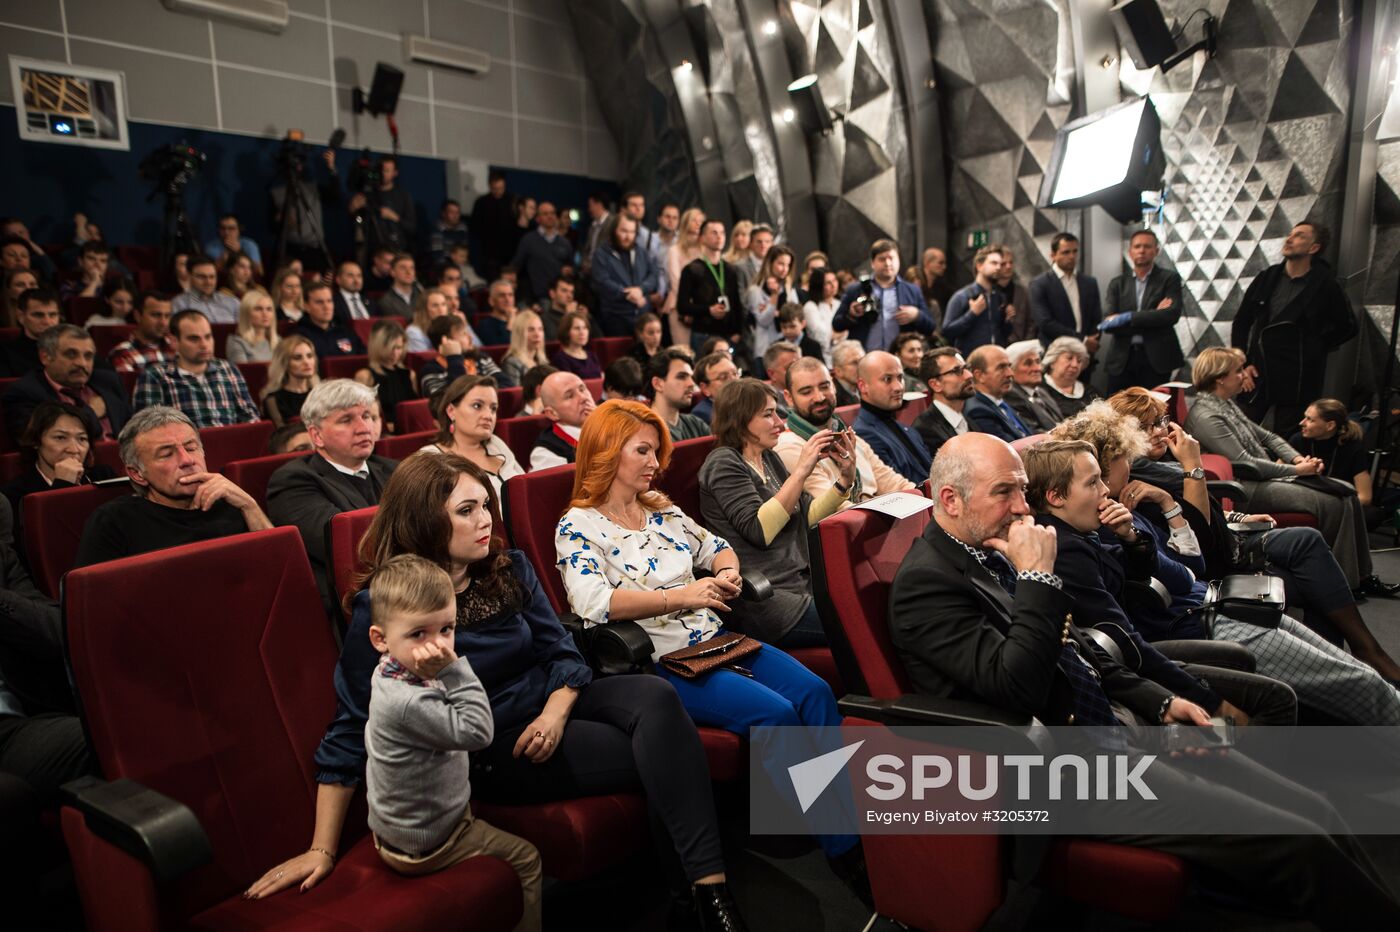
{"points": [[782, 692], [808, 632]]}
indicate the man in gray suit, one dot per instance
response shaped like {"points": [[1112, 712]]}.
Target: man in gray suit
{"points": [[342, 474], [1142, 310]]}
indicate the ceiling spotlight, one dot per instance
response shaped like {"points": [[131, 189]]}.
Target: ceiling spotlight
{"points": [[789, 114], [770, 28]]}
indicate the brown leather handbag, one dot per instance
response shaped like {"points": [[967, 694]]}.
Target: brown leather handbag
{"points": [[725, 649]]}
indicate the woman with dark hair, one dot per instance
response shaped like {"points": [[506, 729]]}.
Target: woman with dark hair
{"points": [[238, 275], [559, 733], [823, 296], [120, 296], [628, 554], [748, 497], [1328, 434], [55, 454], [573, 354], [648, 339], [466, 428]]}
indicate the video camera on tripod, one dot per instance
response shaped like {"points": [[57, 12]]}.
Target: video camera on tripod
{"points": [[366, 176], [171, 167]]}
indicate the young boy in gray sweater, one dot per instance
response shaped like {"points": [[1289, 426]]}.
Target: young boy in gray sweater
{"points": [[427, 710]]}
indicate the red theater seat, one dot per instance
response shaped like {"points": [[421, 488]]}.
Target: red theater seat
{"points": [[343, 367], [402, 445], [234, 749], [252, 475], [53, 528], [78, 309], [608, 349], [681, 481], [104, 338], [255, 375], [10, 467], [223, 445], [519, 434], [415, 416], [847, 413], [1218, 467], [953, 882], [364, 327], [912, 409]]}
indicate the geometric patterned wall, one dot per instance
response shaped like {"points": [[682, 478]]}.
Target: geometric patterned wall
{"points": [[1254, 142], [862, 172], [1004, 70], [638, 100]]}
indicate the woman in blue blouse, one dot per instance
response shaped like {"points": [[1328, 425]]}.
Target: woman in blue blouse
{"points": [[558, 732]]}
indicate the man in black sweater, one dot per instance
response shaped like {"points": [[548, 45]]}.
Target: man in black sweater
{"points": [[707, 297]]}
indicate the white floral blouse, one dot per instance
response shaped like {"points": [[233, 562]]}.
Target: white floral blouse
{"points": [[597, 556]]}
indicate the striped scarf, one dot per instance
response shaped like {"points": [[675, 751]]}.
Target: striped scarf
{"points": [[806, 430]]}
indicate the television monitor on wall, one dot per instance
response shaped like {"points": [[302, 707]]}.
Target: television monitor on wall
{"points": [[69, 104]]}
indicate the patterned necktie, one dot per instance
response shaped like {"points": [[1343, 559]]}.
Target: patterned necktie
{"points": [[1011, 416], [1091, 705]]}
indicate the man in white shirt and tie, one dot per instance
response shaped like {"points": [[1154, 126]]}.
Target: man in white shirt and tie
{"points": [[950, 385], [350, 304]]}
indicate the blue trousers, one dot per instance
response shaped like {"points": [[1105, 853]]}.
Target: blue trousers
{"points": [[782, 692]]}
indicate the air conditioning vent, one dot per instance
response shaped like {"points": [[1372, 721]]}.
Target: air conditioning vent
{"points": [[445, 55]]}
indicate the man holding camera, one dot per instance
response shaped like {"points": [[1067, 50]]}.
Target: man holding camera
{"points": [[707, 297], [875, 310], [388, 213]]}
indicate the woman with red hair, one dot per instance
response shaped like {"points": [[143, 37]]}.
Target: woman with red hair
{"points": [[626, 553]]}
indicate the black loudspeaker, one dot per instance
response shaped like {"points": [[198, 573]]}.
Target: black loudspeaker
{"points": [[383, 92], [1143, 32]]}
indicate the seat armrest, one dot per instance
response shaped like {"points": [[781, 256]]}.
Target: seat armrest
{"points": [[614, 648], [913, 709], [1226, 488], [155, 829], [1245, 471], [753, 585]]}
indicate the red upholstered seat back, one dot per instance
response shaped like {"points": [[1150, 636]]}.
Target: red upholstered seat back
{"points": [[252, 475], [847, 413], [218, 702], [412, 417], [1022, 444], [534, 504], [223, 445], [402, 445], [343, 367], [859, 553], [53, 528], [681, 481], [347, 528], [912, 409], [255, 376], [519, 434]]}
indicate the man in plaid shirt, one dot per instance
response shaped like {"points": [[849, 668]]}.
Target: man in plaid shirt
{"points": [[150, 342], [210, 391]]}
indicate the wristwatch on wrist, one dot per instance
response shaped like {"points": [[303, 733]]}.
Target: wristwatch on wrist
{"points": [[1166, 706], [1175, 510], [1197, 473]]}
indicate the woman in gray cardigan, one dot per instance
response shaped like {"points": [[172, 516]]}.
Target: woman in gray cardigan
{"points": [[1222, 427], [748, 497]]}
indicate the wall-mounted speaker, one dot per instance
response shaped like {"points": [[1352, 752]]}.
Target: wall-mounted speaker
{"points": [[1143, 32]]}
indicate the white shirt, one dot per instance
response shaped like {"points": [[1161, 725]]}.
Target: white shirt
{"points": [[819, 315], [543, 458], [361, 473], [952, 417], [1071, 285], [597, 557]]}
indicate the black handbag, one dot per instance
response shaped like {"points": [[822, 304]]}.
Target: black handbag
{"points": [[1255, 600]]}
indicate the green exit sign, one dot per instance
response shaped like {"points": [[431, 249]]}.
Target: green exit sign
{"points": [[978, 238]]}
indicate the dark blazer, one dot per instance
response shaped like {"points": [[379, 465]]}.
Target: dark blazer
{"points": [[33, 389], [1290, 349], [1053, 315], [391, 305], [1093, 573], [306, 493], [1156, 327], [857, 328], [934, 428], [979, 643], [985, 417], [1041, 415], [342, 308], [883, 436]]}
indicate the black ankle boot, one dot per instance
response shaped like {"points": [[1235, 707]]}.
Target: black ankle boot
{"points": [[716, 909], [850, 869]]}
